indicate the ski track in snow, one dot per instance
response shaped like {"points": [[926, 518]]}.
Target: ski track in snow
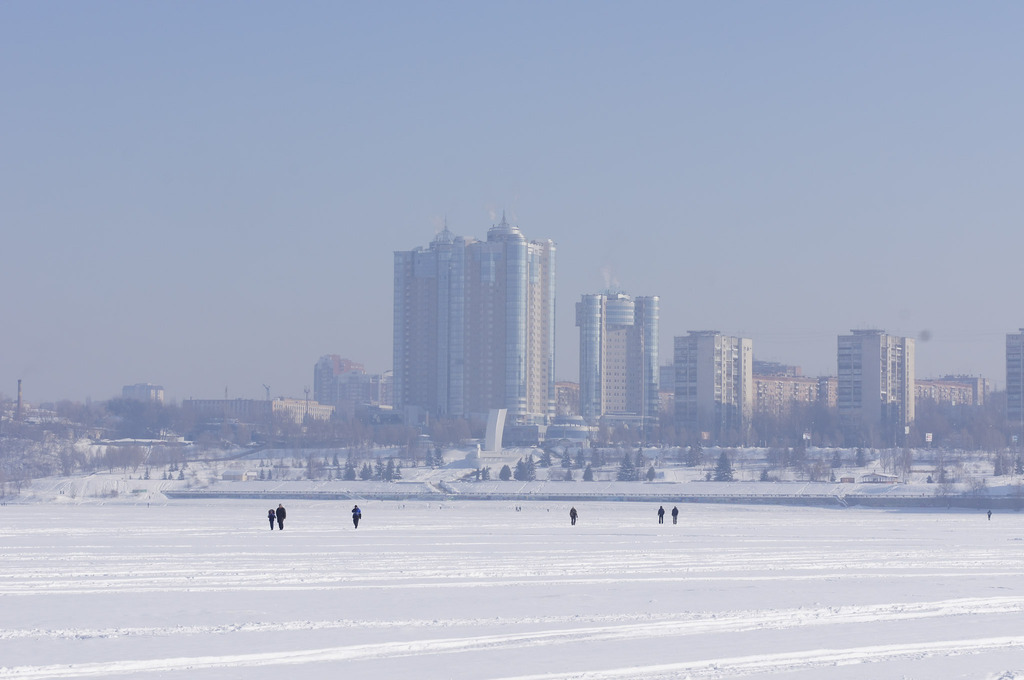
{"points": [[667, 625], [550, 603], [703, 668]]}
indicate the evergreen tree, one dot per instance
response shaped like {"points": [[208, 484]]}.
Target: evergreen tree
{"points": [[334, 461], [723, 470], [651, 474], [505, 473], [398, 470], [588, 474], [568, 475], [526, 470], [861, 461], [545, 459], [837, 460], [350, 471], [366, 473], [181, 474], [485, 474], [566, 459], [627, 470], [389, 470], [520, 473]]}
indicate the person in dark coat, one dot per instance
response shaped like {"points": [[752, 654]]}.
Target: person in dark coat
{"points": [[573, 515], [675, 514], [280, 516], [357, 514], [661, 514], [272, 516]]}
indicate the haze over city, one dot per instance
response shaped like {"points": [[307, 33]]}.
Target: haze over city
{"points": [[208, 196]]}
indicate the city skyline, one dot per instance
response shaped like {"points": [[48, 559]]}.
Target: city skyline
{"points": [[207, 197]]}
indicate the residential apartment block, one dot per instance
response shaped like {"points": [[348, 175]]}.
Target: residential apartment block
{"points": [[619, 373], [143, 392], [776, 394], [345, 384], [1015, 380], [953, 390], [474, 327], [876, 384], [567, 398], [714, 395]]}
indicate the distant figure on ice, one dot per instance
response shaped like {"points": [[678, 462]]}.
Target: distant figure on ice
{"points": [[356, 516], [280, 516], [675, 514], [272, 516], [661, 514], [573, 515], [990, 515]]}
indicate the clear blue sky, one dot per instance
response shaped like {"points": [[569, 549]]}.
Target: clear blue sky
{"points": [[207, 194]]}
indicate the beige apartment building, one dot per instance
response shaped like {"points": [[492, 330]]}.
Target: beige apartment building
{"points": [[714, 395]]}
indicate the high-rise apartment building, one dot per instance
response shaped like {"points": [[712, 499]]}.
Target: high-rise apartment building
{"points": [[327, 377], [876, 384], [619, 374], [474, 327], [714, 395], [345, 384], [1015, 381]]}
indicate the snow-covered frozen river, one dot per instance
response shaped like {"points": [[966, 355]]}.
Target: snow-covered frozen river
{"points": [[479, 590]]}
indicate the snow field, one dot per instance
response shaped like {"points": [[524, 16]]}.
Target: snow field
{"points": [[203, 589]]}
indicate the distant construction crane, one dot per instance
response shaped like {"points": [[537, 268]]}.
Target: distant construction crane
{"points": [[267, 388]]}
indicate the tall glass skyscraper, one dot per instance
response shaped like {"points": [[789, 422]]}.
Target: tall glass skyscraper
{"points": [[474, 327], [619, 372]]}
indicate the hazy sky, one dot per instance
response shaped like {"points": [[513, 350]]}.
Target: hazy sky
{"points": [[208, 194]]}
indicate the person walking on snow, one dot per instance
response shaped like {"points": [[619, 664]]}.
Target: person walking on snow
{"points": [[280, 516], [356, 516], [272, 516], [675, 514], [573, 515], [661, 514]]}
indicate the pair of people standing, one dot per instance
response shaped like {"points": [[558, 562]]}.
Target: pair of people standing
{"points": [[661, 515], [278, 515]]}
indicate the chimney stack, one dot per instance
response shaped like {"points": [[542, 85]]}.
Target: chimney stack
{"points": [[17, 415]]}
